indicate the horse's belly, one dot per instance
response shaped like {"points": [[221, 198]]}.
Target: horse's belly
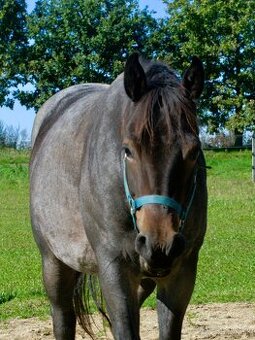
{"points": [[54, 186], [57, 221]]}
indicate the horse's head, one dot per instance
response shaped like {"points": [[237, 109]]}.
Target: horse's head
{"points": [[160, 152]]}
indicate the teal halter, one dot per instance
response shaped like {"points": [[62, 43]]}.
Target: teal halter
{"points": [[169, 202]]}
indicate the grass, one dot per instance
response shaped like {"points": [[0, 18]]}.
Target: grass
{"points": [[21, 292], [226, 266]]}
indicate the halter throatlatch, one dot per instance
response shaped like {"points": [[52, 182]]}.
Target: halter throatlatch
{"points": [[166, 201]]}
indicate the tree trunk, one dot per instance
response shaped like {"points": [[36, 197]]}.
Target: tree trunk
{"points": [[238, 138]]}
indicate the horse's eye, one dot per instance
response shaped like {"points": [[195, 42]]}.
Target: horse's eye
{"points": [[193, 154], [128, 152]]}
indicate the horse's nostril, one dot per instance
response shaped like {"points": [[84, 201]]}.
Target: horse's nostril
{"points": [[142, 239], [141, 244], [156, 256], [177, 246]]}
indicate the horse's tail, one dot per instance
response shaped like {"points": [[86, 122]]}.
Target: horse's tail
{"points": [[87, 296]]}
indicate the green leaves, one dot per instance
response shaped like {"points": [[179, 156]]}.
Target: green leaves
{"points": [[222, 34], [13, 44], [66, 42], [74, 41]]}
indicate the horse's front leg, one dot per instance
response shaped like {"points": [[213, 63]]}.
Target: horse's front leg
{"points": [[173, 296], [120, 286], [145, 289]]}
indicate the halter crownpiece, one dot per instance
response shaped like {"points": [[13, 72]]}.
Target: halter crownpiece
{"points": [[169, 202]]}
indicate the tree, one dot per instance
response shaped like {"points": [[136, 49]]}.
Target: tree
{"points": [[222, 34], [74, 41], [11, 137], [12, 47]]}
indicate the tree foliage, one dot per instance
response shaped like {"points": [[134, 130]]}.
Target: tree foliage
{"points": [[74, 41], [65, 42], [222, 34], [13, 43], [13, 137]]}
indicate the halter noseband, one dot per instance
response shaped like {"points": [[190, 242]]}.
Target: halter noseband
{"points": [[169, 202]]}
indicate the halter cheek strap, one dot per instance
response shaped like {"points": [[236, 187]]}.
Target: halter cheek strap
{"points": [[166, 201]]}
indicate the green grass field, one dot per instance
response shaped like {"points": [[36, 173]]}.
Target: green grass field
{"points": [[227, 259]]}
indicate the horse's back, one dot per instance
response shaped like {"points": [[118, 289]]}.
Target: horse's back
{"points": [[59, 135], [58, 103]]}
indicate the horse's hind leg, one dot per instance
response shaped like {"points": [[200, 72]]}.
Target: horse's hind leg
{"points": [[60, 281]]}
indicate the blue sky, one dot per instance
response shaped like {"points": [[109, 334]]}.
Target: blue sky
{"points": [[23, 118]]}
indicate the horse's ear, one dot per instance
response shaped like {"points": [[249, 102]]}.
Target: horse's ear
{"points": [[193, 78], [134, 78]]}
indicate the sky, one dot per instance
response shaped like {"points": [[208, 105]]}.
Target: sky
{"points": [[22, 118]]}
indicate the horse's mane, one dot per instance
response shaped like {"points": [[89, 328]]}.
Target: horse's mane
{"points": [[165, 110]]}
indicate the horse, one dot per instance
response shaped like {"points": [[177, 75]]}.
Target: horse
{"points": [[118, 193]]}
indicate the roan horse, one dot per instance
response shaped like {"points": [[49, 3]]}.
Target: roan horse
{"points": [[118, 192]]}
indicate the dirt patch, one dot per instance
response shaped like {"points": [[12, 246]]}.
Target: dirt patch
{"points": [[211, 321]]}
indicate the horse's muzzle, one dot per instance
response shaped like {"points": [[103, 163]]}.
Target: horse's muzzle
{"points": [[156, 258]]}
